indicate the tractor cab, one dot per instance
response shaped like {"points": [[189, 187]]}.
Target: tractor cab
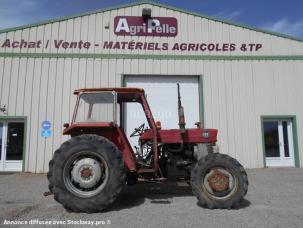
{"points": [[99, 111]]}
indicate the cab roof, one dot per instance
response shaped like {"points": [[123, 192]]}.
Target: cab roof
{"points": [[124, 94], [116, 89]]}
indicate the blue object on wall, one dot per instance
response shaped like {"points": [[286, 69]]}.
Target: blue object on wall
{"points": [[46, 125], [46, 133]]}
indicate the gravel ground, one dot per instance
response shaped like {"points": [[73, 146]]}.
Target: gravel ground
{"points": [[274, 199]]}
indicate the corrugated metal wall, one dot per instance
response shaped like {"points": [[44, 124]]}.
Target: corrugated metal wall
{"points": [[236, 93]]}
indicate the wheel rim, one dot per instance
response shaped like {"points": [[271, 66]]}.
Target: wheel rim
{"points": [[85, 174], [220, 183]]}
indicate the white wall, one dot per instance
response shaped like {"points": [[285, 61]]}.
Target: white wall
{"points": [[236, 94]]}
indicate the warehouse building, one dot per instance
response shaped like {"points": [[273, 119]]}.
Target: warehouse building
{"points": [[244, 81]]}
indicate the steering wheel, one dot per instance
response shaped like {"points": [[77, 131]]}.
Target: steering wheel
{"points": [[138, 131]]}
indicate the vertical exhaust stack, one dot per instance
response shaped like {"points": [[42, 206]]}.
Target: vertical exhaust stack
{"points": [[180, 112]]}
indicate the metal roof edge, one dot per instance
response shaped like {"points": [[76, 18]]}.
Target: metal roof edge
{"points": [[141, 2], [228, 22]]}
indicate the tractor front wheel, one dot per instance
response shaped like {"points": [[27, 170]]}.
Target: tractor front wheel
{"points": [[219, 181], [86, 173]]}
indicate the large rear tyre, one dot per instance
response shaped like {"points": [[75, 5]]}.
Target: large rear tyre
{"points": [[86, 173], [219, 181]]}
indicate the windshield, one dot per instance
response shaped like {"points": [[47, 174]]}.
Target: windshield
{"points": [[96, 107]]}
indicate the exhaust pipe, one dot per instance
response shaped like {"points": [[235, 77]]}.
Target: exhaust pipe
{"points": [[180, 112]]}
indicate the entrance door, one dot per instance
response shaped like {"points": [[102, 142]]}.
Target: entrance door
{"points": [[161, 93], [279, 147], [11, 145]]}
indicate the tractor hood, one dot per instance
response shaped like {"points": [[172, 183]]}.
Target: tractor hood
{"points": [[195, 135]]}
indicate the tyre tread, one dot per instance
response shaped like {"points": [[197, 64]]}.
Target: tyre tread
{"points": [[211, 159], [103, 199]]}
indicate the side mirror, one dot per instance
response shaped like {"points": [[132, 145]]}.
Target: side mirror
{"points": [[198, 124], [66, 125]]}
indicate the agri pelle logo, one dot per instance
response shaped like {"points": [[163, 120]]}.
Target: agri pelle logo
{"points": [[138, 26]]}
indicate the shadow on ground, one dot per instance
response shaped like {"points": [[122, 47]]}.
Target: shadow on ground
{"points": [[7, 173], [133, 196]]}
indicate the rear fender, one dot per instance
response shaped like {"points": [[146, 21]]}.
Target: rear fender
{"points": [[114, 134]]}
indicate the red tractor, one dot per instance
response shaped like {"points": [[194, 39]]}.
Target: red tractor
{"points": [[89, 170]]}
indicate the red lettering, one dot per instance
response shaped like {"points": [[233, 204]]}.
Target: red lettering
{"points": [[124, 44], [15, 44], [31, 45], [80, 44], [175, 47], [251, 46], [225, 47], [7, 43], [183, 46], [150, 46], [117, 45], [211, 47], [203, 47], [191, 47], [65, 45], [39, 44], [73, 45], [258, 46], [108, 45], [139, 45], [57, 44], [135, 26], [131, 45], [23, 44], [157, 46], [86, 45], [165, 46], [232, 47], [218, 47]]}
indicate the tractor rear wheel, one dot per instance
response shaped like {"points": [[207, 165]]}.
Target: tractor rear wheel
{"points": [[86, 173], [219, 181]]}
